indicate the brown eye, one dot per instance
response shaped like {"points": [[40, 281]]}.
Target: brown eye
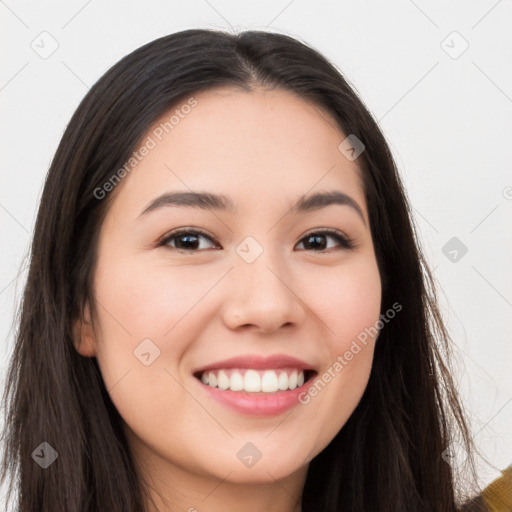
{"points": [[186, 240], [316, 240], [190, 240]]}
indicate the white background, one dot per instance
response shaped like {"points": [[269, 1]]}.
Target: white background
{"points": [[448, 121]]}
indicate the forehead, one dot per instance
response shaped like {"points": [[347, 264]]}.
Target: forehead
{"points": [[246, 145]]}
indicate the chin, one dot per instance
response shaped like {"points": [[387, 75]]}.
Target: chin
{"points": [[276, 466]]}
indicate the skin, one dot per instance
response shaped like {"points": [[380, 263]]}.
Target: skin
{"points": [[263, 149]]}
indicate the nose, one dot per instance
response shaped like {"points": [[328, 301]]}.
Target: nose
{"points": [[262, 296]]}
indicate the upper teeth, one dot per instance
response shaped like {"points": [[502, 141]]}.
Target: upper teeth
{"points": [[266, 381]]}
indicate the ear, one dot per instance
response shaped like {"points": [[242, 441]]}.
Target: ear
{"points": [[84, 337]]}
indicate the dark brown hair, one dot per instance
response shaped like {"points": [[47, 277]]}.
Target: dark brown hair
{"points": [[387, 457]]}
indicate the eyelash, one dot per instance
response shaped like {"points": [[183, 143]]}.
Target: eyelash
{"points": [[345, 242]]}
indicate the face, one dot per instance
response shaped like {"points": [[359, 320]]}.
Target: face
{"points": [[194, 298]]}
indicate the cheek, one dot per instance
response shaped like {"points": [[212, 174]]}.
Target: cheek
{"points": [[347, 300], [142, 302], [349, 304], [355, 315], [151, 301]]}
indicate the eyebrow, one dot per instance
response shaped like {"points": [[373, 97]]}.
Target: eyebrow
{"points": [[219, 202]]}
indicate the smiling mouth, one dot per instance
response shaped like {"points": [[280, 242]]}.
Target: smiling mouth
{"points": [[255, 381]]}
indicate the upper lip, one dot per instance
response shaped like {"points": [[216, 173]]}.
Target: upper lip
{"points": [[257, 362]]}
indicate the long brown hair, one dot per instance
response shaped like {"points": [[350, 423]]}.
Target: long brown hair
{"points": [[387, 457]]}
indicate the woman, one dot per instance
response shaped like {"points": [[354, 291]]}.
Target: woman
{"points": [[226, 307]]}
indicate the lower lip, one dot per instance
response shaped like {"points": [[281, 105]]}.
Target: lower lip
{"points": [[252, 404]]}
